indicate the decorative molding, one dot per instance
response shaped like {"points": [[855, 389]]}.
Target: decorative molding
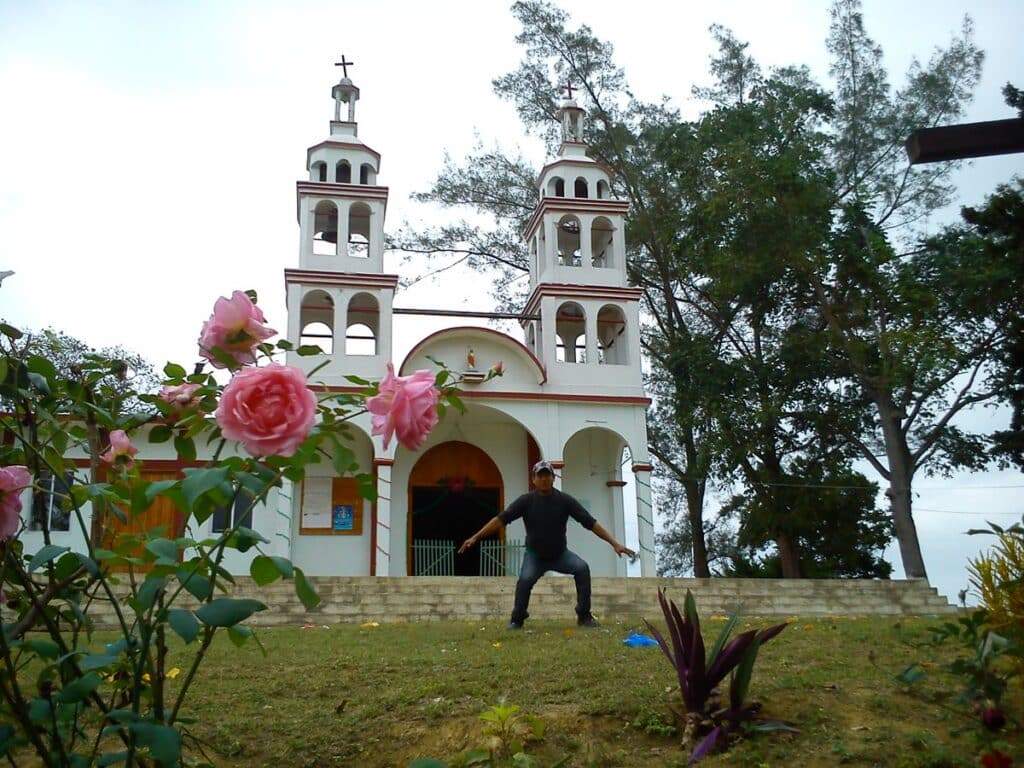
{"points": [[557, 463], [574, 290], [475, 394], [338, 279], [570, 205], [642, 467], [615, 483], [382, 462], [343, 145]]}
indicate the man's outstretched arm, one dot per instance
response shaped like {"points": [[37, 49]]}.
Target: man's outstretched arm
{"points": [[600, 531], [492, 526]]}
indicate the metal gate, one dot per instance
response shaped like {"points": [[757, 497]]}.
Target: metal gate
{"points": [[501, 558], [433, 557]]}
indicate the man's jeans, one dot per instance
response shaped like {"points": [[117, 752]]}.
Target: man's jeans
{"points": [[534, 567]]}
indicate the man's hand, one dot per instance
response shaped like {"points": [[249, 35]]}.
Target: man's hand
{"points": [[467, 544], [621, 550]]}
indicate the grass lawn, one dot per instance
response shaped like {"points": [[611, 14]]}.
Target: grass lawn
{"points": [[383, 696]]}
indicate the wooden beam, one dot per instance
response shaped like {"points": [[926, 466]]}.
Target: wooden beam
{"points": [[463, 313], [958, 142]]}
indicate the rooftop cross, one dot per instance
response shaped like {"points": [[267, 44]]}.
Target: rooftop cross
{"points": [[344, 65], [568, 87]]}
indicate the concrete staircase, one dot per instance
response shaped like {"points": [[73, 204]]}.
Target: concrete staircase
{"points": [[436, 598]]}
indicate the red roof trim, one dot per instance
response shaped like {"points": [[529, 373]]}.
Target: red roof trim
{"points": [[581, 292], [548, 396], [343, 145], [570, 204]]}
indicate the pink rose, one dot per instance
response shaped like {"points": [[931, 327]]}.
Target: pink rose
{"points": [[13, 480], [121, 450], [269, 410], [180, 397], [236, 326], [406, 407]]}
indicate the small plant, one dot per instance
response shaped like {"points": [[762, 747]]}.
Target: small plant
{"points": [[709, 722], [998, 578]]}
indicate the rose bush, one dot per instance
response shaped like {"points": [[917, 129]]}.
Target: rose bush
{"points": [[83, 705]]}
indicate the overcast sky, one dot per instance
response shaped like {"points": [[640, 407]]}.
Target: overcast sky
{"points": [[149, 152]]}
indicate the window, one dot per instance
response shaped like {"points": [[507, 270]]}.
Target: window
{"points": [[318, 172], [602, 190], [316, 321], [581, 188], [556, 187], [363, 323], [52, 506], [343, 172], [570, 334], [325, 229], [359, 230], [241, 513], [601, 238], [569, 241], [611, 336], [366, 174]]}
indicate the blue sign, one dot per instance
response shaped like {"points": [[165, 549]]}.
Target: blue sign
{"points": [[343, 517]]}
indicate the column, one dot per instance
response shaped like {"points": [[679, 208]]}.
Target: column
{"points": [[590, 310], [645, 518], [294, 291], [586, 243], [558, 465], [342, 245], [383, 543], [280, 529], [618, 519], [306, 227], [618, 257], [384, 338]]}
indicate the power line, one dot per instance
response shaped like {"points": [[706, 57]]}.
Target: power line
{"points": [[962, 512]]}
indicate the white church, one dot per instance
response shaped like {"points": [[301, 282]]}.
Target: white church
{"points": [[571, 393]]}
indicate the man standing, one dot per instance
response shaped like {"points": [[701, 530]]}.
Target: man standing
{"points": [[546, 511]]}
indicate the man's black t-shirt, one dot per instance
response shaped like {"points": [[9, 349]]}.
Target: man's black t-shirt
{"points": [[545, 516]]}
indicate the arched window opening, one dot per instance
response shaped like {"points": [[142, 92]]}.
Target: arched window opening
{"points": [[359, 230], [601, 235], [570, 334], [580, 188], [343, 172], [325, 229], [569, 241], [362, 326], [602, 190], [316, 321], [611, 336], [556, 187], [318, 171], [531, 338], [366, 174]]}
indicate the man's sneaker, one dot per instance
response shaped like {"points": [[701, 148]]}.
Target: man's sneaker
{"points": [[587, 621], [515, 625]]}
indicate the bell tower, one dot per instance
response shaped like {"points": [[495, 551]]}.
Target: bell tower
{"points": [[585, 327], [339, 297]]}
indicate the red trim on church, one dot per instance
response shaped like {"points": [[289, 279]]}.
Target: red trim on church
{"points": [[322, 277], [643, 467], [615, 483], [569, 205], [383, 462], [343, 145], [484, 395], [579, 291]]}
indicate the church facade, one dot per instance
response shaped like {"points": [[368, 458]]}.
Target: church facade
{"points": [[571, 392]]}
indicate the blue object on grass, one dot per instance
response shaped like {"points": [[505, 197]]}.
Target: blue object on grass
{"points": [[636, 640]]}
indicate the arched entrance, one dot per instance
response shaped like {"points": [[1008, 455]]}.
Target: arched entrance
{"points": [[454, 488]]}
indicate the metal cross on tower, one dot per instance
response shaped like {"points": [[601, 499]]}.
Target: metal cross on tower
{"points": [[344, 65], [568, 87]]}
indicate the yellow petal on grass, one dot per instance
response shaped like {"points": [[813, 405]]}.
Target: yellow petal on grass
{"points": [[145, 677], [568, 631], [496, 645], [369, 625], [173, 672], [808, 626]]}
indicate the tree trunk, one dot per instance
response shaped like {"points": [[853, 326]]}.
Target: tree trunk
{"points": [[695, 511], [788, 556], [901, 474]]}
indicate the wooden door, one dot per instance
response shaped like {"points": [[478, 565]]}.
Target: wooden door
{"points": [[161, 512]]}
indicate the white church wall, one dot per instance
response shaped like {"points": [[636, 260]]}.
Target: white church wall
{"points": [[520, 375], [501, 438], [328, 554]]}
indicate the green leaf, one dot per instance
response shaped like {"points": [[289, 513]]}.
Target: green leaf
{"points": [[157, 488], [195, 583], [45, 555], [367, 486], [42, 366], [358, 380], [199, 482], [90, 565], [78, 690], [111, 758], [457, 402], [164, 742], [185, 448], [228, 611], [184, 623], [174, 371], [285, 344], [148, 591], [166, 551], [305, 590], [308, 350], [97, 661], [10, 331], [723, 636], [47, 649], [161, 433], [238, 635], [266, 570], [39, 382], [911, 674]]}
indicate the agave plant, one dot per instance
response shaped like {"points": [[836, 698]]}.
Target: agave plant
{"points": [[700, 672]]}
